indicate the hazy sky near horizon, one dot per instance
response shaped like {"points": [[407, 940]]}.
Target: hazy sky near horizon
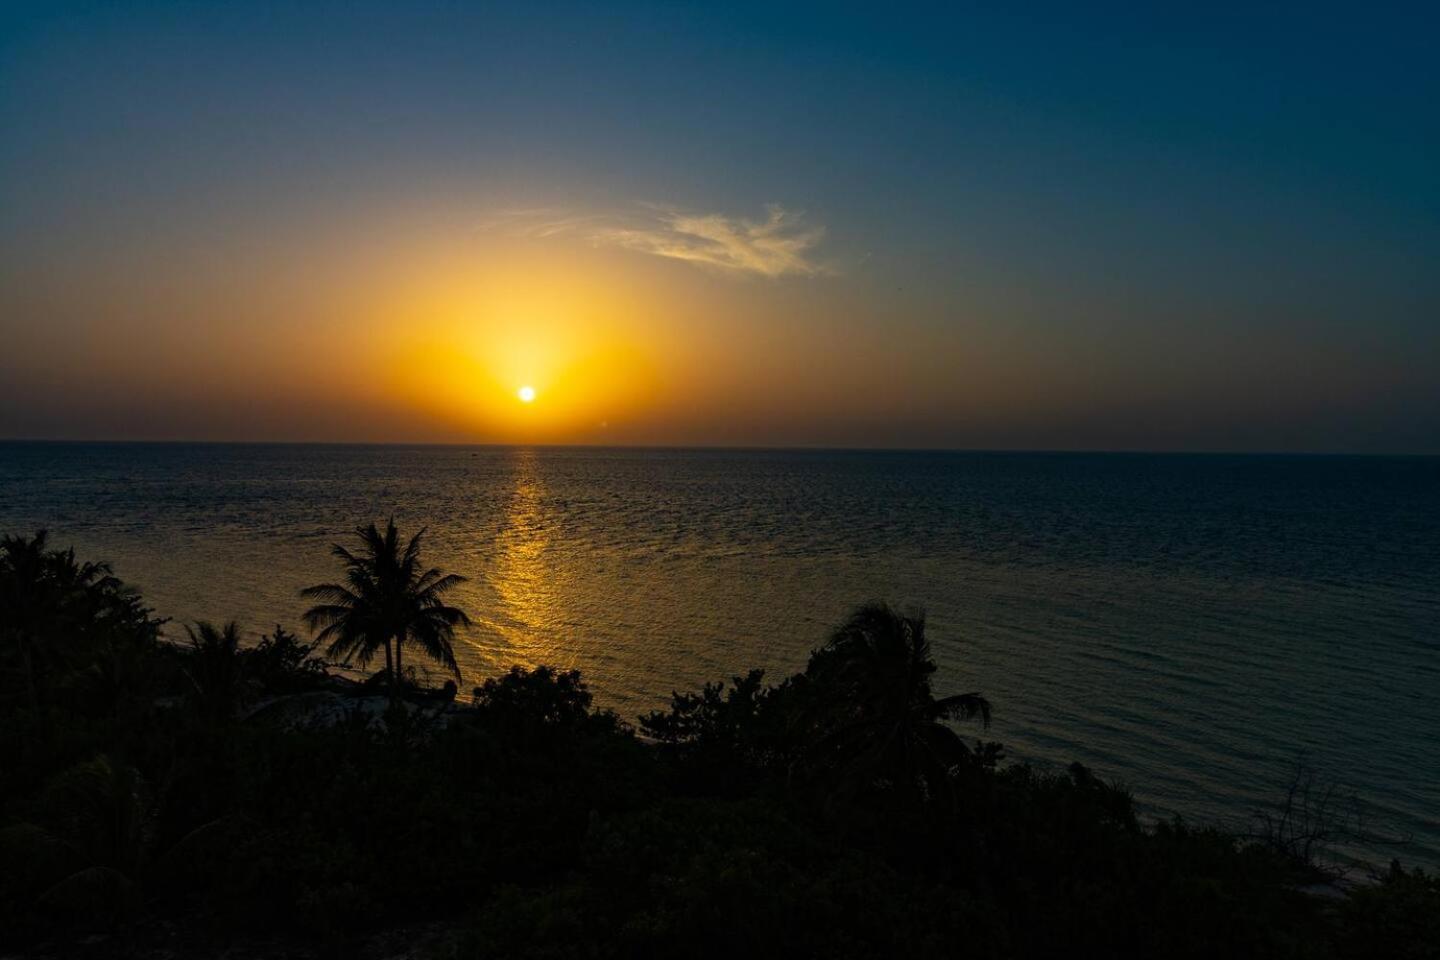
{"points": [[869, 225]]}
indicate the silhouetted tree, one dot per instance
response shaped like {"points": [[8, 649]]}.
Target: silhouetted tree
{"points": [[48, 601], [724, 735], [386, 602], [543, 696], [215, 669], [280, 663], [867, 711]]}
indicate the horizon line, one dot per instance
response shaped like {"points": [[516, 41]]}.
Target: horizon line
{"points": [[756, 448]]}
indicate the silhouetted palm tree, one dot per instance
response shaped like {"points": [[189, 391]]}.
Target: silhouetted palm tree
{"points": [[873, 716], [387, 601], [215, 669], [44, 596]]}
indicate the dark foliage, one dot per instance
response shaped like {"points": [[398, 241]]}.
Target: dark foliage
{"points": [[540, 699], [1398, 917], [234, 791], [722, 740], [281, 664]]}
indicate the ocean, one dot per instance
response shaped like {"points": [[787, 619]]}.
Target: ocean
{"points": [[1190, 625]]}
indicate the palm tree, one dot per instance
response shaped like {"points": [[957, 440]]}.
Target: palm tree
{"points": [[215, 669], [46, 595], [872, 715], [387, 600]]}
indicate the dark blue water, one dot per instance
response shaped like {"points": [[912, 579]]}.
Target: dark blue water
{"points": [[1191, 625]]}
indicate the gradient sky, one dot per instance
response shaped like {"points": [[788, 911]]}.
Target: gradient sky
{"points": [[1216, 229]]}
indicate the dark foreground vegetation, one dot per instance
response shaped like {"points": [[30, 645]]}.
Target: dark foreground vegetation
{"points": [[165, 798]]}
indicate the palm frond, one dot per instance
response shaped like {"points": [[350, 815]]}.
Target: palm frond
{"points": [[434, 582], [964, 706], [330, 593]]}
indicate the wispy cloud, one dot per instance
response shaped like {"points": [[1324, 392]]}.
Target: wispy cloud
{"points": [[780, 245]]}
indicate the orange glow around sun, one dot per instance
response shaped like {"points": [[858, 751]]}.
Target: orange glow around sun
{"points": [[467, 349]]}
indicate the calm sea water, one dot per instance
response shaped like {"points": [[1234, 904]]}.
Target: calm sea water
{"points": [[1190, 625]]}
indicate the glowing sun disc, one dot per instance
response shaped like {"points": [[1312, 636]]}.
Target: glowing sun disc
{"points": [[526, 394]]}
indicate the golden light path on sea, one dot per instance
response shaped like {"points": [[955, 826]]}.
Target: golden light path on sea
{"points": [[530, 601]]}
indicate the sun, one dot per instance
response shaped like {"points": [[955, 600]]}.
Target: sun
{"points": [[526, 394]]}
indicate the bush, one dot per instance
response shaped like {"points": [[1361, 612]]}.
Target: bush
{"points": [[836, 813]]}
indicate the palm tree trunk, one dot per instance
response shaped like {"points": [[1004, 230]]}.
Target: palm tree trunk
{"points": [[389, 666], [399, 666]]}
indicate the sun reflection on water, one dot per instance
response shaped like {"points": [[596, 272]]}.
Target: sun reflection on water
{"points": [[529, 610]]}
